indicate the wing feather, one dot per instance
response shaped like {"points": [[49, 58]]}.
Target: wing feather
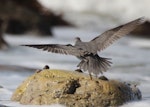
{"points": [[107, 38], [61, 49]]}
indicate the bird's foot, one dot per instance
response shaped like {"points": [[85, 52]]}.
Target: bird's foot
{"points": [[79, 70]]}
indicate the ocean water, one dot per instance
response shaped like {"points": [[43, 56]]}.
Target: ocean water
{"points": [[103, 12], [130, 55]]}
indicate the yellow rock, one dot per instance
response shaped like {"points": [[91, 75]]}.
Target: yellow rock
{"points": [[73, 89]]}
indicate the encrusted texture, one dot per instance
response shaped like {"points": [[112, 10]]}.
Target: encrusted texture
{"points": [[73, 89]]}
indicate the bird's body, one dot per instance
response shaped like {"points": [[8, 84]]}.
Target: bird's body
{"points": [[90, 61], [87, 51]]}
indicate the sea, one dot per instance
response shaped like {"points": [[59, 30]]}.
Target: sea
{"points": [[130, 54]]}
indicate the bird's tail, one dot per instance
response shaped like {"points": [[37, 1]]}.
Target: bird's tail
{"points": [[95, 64]]}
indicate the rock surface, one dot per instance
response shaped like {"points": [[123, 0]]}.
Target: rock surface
{"points": [[73, 89], [3, 43], [29, 16]]}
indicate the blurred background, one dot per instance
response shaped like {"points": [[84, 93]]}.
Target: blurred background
{"points": [[60, 21]]}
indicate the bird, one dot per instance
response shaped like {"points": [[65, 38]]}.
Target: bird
{"points": [[87, 52]]}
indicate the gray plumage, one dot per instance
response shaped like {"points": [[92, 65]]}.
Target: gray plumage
{"points": [[87, 51]]}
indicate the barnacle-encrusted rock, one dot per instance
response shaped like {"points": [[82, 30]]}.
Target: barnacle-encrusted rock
{"points": [[73, 89]]}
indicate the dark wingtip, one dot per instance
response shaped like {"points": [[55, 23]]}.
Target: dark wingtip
{"points": [[24, 45]]}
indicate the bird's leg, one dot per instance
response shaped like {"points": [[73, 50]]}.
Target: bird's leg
{"points": [[96, 76], [90, 76]]}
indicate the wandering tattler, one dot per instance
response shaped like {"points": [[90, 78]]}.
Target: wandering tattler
{"points": [[87, 51]]}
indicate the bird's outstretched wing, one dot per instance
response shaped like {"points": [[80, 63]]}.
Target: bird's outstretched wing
{"points": [[61, 49], [107, 38]]}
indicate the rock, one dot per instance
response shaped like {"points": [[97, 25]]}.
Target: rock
{"points": [[73, 89], [137, 93], [3, 105], [29, 15], [1, 86], [3, 43]]}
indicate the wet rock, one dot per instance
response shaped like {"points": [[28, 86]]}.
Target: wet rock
{"points": [[3, 43], [1, 86], [3, 105], [73, 89], [137, 93], [29, 15], [46, 67]]}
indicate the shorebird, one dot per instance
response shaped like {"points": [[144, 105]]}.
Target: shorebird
{"points": [[87, 52]]}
